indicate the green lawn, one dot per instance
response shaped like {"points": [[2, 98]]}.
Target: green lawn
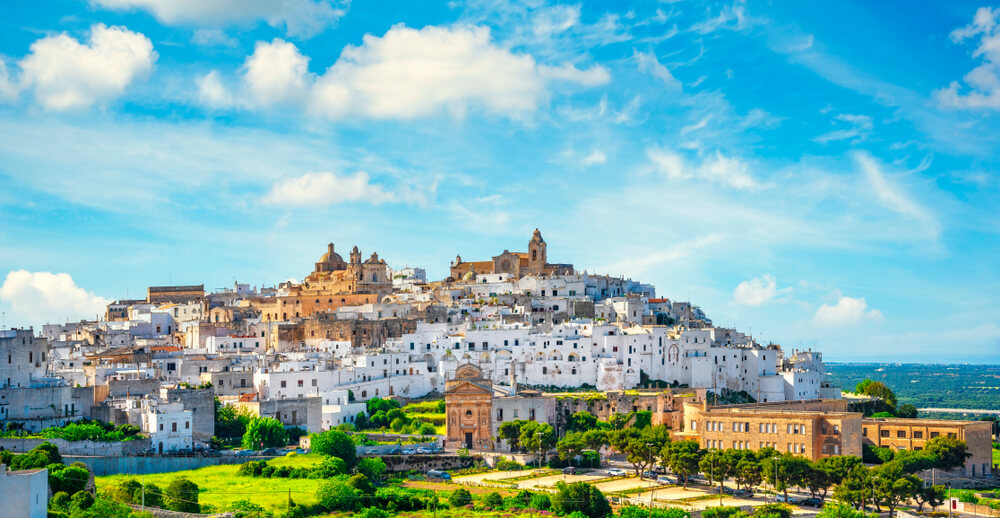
{"points": [[996, 456], [422, 407], [220, 486]]}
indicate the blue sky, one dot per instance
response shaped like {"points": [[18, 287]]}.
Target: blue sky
{"points": [[822, 174]]}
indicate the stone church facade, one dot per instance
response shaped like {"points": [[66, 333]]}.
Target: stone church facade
{"points": [[469, 400]]}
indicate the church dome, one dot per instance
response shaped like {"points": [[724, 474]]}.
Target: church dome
{"points": [[330, 261]]}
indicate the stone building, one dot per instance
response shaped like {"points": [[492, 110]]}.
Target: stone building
{"points": [[813, 429], [469, 400], [913, 434], [25, 493], [165, 294], [517, 264]]}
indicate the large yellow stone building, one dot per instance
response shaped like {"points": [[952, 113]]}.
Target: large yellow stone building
{"points": [[517, 264], [333, 283], [913, 434]]}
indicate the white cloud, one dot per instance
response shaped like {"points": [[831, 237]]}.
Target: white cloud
{"points": [[8, 90], [66, 74], [859, 128], [213, 37], [276, 73], [321, 189], [318, 189], [731, 17], [594, 158], [894, 198], [304, 18], [410, 73], [758, 291], [42, 297], [846, 311], [984, 80], [716, 168], [212, 93], [649, 64]]}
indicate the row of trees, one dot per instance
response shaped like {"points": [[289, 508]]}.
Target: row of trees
{"points": [[383, 414]]}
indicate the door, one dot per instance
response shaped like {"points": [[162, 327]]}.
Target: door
{"points": [[468, 440]]}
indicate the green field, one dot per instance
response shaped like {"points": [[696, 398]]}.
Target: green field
{"points": [[928, 386], [220, 486], [427, 412]]}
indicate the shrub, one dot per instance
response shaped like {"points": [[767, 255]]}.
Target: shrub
{"points": [[248, 509], [361, 483], [81, 500], [182, 495], [264, 432], [374, 512], [459, 498], [582, 497], [372, 467], [69, 478], [330, 467], [252, 468], [772, 510], [337, 444], [540, 501], [504, 464], [400, 499], [426, 429], [59, 500], [267, 472], [337, 495], [721, 511], [493, 500], [840, 510]]}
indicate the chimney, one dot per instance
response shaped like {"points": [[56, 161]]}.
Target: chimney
{"points": [[513, 377]]}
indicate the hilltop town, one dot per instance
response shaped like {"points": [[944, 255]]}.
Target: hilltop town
{"points": [[511, 356]]}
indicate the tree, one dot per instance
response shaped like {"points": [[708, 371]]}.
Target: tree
{"points": [[818, 479], [856, 488], [907, 410], [834, 469], [361, 483], [182, 495], [81, 500], [539, 437], [580, 497], [571, 445], [459, 498], [264, 432], [338, 495], [950, 452], [749, 473], [786, 470], [372, 467], [581, 422], [877, 389], [230, 422], [68, 478], [715, 467], [337, 444], [330, 467], [493, 500], [893, 487], [510, 431], [683, 458], [930, 495], [839, 510], [596, 439]]}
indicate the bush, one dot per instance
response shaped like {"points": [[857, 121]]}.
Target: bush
{"points": [[264, 432], [772, 510], [59, 500], [329, 468], [493, 500], [582, 497], [540, 501], [337, 495], [69, 479], [460, 498], [372, 467], [632, 511], [81, 500], [399, 499], [337, 444], [374, 512], [361, 483], [721, 511], [248, 509], [839, 510], [504, 464], [182, 495], [252, 468], [426, 429]]}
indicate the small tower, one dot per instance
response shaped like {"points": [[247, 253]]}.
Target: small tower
{"points": [[537, 258], [355, 255]]}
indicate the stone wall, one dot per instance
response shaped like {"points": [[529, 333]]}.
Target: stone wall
{"points": [[89, 448], [101, 466], [424, 463]]}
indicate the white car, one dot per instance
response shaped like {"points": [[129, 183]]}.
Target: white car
{"points": [[409, 451], [789, 500], [615, 472], [422, 450], [371, 451]]}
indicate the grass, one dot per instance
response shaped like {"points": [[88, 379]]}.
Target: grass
{"points": [[220, 486], [996, 456], [429, 407]]}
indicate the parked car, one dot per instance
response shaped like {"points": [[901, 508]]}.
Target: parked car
{"points": [[664, 479], [210, 453], [245, 453], [743, 493], [371, 451], [270, 452], [789, 500], [569, 470], [436, 474], [421, 450], [812, 502], [616, 472], [300, 451], [409, 451], [148, 452]]}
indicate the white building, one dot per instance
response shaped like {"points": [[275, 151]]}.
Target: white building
{"points": [[24, 494], [168, 426]]}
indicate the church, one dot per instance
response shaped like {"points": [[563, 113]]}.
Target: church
{"points": [[517, 264]]}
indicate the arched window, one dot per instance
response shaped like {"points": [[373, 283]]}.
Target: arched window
{"points": [[468, 413], [534, 255]]}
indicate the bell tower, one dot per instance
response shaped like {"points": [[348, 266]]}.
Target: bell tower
{"points": [[537, 258]]}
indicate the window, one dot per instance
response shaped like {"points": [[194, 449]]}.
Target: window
{"points": [[187, 425], [468, 413], [901, 434], [934, 434], [314, 382], [283, 383], [161, 427], [917, 434], [173, 427], [883, 433], [300, 383]]}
